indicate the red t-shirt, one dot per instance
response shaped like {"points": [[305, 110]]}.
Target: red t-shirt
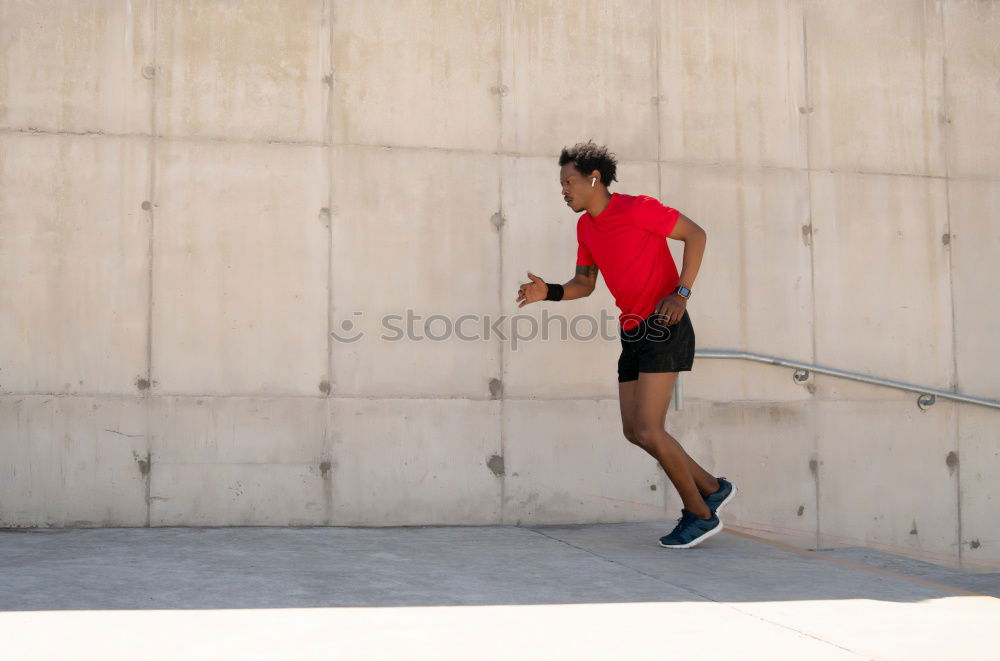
{"points": [[627, 241]]}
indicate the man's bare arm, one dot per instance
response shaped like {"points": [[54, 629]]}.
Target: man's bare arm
{"points": [[671, 307], [694, 239], [581, 285]]}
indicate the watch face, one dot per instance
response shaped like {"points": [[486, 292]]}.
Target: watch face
{"points": [[684, 291]]}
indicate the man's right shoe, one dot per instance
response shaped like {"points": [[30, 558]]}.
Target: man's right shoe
{"points": [[716, 500], [691, 531]]}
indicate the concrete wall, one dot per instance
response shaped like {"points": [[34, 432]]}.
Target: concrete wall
{"points": [[193, 195]]}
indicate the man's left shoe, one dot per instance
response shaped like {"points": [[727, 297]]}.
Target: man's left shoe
{"points": [[716, 501], [691, 530]]}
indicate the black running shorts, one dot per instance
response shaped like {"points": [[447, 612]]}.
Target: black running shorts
{"points": [[654, 347]]}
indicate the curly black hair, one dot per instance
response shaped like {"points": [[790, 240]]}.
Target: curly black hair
{"points": [[587, 157]]}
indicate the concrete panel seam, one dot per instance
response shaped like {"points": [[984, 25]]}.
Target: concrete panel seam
{"points": [[657, 51], [509, 153], [814, 433], [328, 133], [619, 564], [241, 463], [506, 12], [689, 590], [946, 137], [327, 452], [147, 392]]}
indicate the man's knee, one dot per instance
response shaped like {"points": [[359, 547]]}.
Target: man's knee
{"points": [[647, 435], [630, 435]]}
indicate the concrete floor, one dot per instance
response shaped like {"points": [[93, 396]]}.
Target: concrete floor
{"points": [[598, 591]]}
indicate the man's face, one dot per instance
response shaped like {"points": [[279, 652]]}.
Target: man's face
{"points": [[576, 188]]}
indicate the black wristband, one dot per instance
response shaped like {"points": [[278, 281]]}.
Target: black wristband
{"points": [[555, 292]]}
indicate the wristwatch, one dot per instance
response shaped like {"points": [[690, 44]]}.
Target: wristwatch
{"points": [[683, 292]]}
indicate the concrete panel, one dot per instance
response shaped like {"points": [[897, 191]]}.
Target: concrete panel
{"points": [[76, 65], [274, 430], [883, 304], [412, 231], [724, 98], [831, 387], [73, 263], [580, 356], [579, 71], [754, 287], [975, 246], [875, 86], [240, 270], [710, 196], [777, 263], [973, 88], [252, 70], [568, 462], [231, 494], [979, 471], [72, 461], [737, 381], [414, 73], [888, 479], [411, 461], [766, 450]]}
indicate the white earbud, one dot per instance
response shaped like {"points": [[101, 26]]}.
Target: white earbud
{"points": [[593, 181]]}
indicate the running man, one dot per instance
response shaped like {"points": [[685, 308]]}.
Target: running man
{"points": [[623, 235]]}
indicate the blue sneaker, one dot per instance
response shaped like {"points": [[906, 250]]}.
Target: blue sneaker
{"points": [[691, 530], [726, 491]]}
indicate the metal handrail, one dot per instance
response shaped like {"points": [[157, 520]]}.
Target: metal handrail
{"points": [[927, 395]]}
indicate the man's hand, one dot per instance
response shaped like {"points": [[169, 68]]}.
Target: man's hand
{"points": [[529, 292], [671, 309]]}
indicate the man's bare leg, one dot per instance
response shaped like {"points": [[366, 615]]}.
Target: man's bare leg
{"points": [[644, 405], [705, 481]]}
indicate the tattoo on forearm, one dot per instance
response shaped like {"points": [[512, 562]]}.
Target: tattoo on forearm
{"points": [[589, 270]]}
